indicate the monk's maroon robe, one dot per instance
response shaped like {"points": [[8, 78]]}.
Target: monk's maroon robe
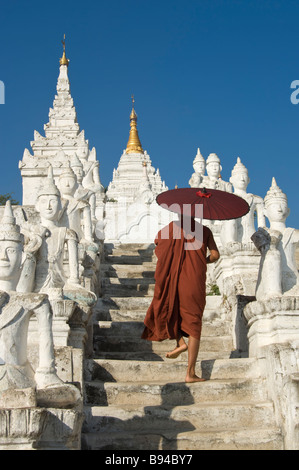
{"points": [[180, 289]]}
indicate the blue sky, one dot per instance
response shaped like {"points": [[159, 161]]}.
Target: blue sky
{"points": [[213, 74]]}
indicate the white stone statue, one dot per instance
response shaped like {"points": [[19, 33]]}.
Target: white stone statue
{"points": [[269, 283], [77, 211], [278, 273], [213, 179], [16, 310], [49, 272], [277, 211], [82, 192], [199, 166], [240, 230]]}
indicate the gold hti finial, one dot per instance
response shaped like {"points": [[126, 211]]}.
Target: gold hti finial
{"points": [[134, 144], [64, 60]]}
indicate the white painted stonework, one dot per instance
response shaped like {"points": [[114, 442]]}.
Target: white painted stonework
{"points": [[77, 275], [63, 144], [131, 212], [17, 306]]}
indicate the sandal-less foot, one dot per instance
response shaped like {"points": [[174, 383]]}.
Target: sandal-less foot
{"points": [[177, 351], [193, 379]]}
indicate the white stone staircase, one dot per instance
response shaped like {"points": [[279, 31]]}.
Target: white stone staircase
{"points": [[137, 399]]}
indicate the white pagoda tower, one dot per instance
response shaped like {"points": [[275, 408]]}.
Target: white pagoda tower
{"points": [[63, 145], [131, 212]]}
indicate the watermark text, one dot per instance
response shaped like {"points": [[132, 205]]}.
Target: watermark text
{"points": [[2, 92], [294, 96]]}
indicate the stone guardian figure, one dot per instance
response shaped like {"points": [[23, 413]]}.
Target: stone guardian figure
{"points": [[277, 211], [16, 309], [50, 274], [239, 231], [199, 166]]}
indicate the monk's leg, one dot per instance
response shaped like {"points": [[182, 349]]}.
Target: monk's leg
{"points": [[193, 348], [181, 347]]}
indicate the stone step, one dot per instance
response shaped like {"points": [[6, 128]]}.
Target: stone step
{"points": [[123, 315], [150, 355], [107, 302], [262, 438], [169, 369], [127, 287], [129, 248], [110, 309], [207, 417], [174, 394], [144, 270], [117, 315], [129, 258], [120, 343], [123, 303], [135, 328]]}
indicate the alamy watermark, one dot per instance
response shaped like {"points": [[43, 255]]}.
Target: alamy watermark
{"points": [[2, 92], [293, 97], [140, 222]]}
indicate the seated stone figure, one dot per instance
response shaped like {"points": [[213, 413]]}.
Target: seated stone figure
{"points": [[16, 309]]}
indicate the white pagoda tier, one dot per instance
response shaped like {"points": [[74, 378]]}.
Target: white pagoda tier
{"points": [[63, 145], [131, 211]]}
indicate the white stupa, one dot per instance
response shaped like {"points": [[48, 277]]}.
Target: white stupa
{"points": [[63, 141], [132, 214]]}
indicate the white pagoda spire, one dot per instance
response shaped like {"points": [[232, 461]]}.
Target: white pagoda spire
{"points": [[62, 141]]}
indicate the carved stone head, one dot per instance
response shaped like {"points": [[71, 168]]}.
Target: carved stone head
{"points": [[199, 163], [276, 204], [77, 168], [67, 182], [239, 177], [48, 202], [11, 245], [213, 166]]}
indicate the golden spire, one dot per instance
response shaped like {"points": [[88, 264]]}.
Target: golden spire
{"points": [[64, 60], [133, 145]]}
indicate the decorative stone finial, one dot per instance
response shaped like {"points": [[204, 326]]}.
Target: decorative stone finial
{"points": [[75, 162], [274, 193], [239, 167], [64, 60], [134, 144], [198, 157], [9, 230], [48, 186]]}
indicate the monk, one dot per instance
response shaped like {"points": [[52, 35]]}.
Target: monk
{"points": [[180, 290]]}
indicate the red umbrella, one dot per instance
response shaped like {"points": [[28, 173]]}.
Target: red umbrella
{"points": [[216, 205]]}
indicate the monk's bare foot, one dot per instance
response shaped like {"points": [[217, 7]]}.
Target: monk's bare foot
{"points": [[177, 351], [193, 378]]}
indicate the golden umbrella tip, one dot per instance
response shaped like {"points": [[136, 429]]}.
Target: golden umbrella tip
{"points": [[134, 144], [64, 60]]}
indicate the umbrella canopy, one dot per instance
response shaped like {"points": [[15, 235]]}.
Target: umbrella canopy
{"points": [[216, 205]]}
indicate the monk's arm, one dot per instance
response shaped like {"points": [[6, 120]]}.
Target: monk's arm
{"points": [[213, 256], [214, 252]]}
